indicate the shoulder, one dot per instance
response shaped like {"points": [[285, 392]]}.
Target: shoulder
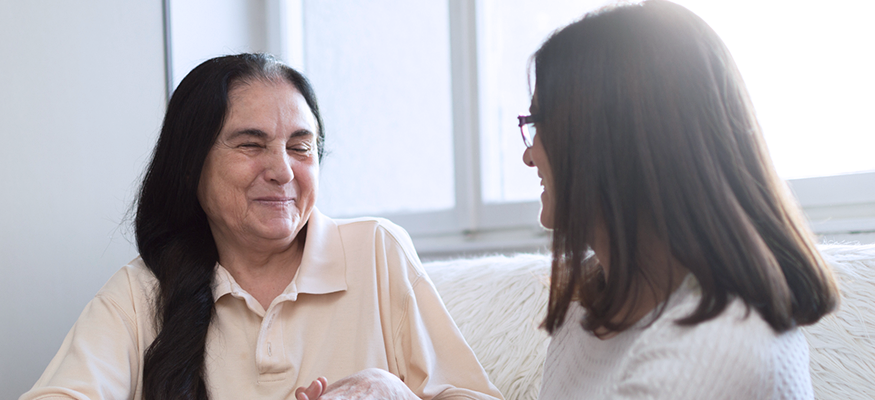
{"points": [[384, 236], [734, 355], [375, 226], [102, 354], [132, 288], [737, 324], [135, 276]]}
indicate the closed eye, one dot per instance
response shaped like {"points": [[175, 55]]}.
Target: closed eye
{"points": [[301, 141], [302, 149]]}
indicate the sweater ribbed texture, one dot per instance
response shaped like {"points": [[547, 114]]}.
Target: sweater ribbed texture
{"points": [[733, 356]]}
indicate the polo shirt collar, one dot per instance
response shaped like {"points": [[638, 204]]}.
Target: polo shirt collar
{"points": [[322, 269], [323, 266]]}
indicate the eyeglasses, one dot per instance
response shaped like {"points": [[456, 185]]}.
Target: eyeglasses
{"points": [[527, 129]]}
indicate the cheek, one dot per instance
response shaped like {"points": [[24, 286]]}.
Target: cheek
{"points": [[307, 178], [212, 197], [223, 189]]}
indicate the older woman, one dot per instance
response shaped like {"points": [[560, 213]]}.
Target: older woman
{"points": [[650, 155], [242, 288]]}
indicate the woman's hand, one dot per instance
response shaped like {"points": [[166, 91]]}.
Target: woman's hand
{"points": [[369, 384]]}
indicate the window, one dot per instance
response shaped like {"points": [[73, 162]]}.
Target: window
{"points": [[807, 66], [419, 103], [384, 90], [449, 72]]}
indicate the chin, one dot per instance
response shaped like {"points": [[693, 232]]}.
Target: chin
{"points": [[279, 230], [547, 207], [546, 220]]}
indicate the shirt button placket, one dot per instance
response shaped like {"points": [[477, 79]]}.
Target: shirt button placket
{"points": [[270, 334], [273, 337]]}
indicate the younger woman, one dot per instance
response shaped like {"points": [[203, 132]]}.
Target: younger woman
{"points": [[650, 156]]}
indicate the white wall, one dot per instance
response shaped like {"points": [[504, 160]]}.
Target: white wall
{"points": [[81, 102], [203, 29]]}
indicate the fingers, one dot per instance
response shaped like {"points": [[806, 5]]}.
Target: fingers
{"points": [[312, 392], [300, 395]]}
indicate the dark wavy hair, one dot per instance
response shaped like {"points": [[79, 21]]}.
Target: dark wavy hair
{"points": [[646, 122], [172, 232]]}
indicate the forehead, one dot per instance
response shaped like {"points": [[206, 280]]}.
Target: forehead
{"points": [[265, 104]]}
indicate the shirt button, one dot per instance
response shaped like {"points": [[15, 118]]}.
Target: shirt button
{"points": [[269, 350]]}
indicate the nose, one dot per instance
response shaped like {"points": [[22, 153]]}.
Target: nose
{"points": [[278, 167], [527, 157]]}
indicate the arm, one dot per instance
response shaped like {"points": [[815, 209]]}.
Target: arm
{"points": [[437, 356], [100, 356], [432, 357]]}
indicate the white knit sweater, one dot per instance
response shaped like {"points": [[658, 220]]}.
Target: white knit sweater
{"points": [[734, 356]]}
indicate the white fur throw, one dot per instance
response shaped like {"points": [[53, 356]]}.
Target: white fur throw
{"points": [[843, 343], [499, 302]]}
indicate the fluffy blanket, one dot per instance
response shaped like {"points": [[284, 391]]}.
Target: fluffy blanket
{"points": [[499, 302], [843, 343]]}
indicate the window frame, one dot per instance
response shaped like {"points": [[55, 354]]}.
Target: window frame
{"points": [[843, 204], [839, 204], [472, 225]]}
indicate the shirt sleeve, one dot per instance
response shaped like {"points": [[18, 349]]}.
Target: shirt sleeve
{"points": [[99, 358], [432, 356]]}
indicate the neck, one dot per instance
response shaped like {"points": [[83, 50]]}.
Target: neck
{"points": [[264, 274], [664, 274]]}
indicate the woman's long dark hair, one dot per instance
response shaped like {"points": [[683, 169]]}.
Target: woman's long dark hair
{"points": [[646, 123], [173, 235]]}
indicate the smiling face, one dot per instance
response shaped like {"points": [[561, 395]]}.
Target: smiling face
{"points": [[536, 156], [260, 179]]}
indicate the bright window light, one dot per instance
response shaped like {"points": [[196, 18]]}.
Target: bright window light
{"points": [[807, 65], [381, 70]]}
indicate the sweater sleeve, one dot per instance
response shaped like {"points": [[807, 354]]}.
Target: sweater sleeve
{"points": [[433, 358], [100, 356]]}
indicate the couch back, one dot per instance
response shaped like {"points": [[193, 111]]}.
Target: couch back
{"points": [[498, 303]]}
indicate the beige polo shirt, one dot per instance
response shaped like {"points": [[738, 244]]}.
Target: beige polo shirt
{"points": [[360, 299]]}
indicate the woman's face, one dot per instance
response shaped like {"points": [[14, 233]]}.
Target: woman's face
{"points": [[535, 156], [260, 179]]}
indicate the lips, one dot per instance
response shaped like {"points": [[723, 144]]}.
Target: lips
{"points": [[275, 200]]}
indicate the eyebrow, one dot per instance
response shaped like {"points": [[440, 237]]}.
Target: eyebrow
{"points": [[301, 133], [260, 134], [257, 133]]}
